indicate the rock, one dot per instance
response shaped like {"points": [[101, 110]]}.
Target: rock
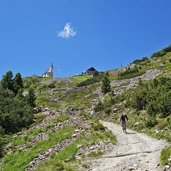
{"points": [[156, 131], [67, 160], [169, 159], [50, 150], [135, 166], [78, 154], [9, 146], [92, 148], [79, 146], [74, 135], [90, 111], [94, 100], [137, 123], [78, 157], [77, 130], [37, 110], [115, 110], [131, 168], [120, 85], [46, 109], [158, 165], [167, 167]]}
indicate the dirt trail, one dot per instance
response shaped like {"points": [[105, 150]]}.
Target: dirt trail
{"points": [[134, 151]]}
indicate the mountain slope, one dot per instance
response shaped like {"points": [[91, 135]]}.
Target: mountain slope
{"points": [[66, 129]]}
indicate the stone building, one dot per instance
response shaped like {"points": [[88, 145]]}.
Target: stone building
{"points": [[91, 71]]}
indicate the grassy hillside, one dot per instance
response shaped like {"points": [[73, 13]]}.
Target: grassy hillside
{"points": [[66, 128]]}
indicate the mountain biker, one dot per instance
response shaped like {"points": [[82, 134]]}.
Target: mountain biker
{"points": [[123, 119]]}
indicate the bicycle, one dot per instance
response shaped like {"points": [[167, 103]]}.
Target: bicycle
{"points": [[124, 127]]}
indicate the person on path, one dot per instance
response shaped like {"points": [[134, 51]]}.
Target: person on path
{"points": [[123, 120]]}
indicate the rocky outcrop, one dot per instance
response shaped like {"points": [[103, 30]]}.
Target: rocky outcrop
{"points": [[39, 158], [49, 116], [42, 136], [122, 85], [47, 121]]}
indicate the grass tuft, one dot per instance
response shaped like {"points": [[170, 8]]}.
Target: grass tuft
{"points": [[165, 155]]}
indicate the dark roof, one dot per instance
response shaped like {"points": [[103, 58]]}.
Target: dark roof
{"points": [[91, 69]]}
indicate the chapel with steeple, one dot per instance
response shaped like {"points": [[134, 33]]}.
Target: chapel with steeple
{"points": [[49, 72]]}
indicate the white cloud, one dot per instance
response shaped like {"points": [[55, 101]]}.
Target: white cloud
{"points": [[67, 32]]}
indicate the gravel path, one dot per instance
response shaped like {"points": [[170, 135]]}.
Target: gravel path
{"points": [[134, 151]]}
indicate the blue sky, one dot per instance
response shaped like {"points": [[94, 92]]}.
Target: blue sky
{"points": [[104, 34]]}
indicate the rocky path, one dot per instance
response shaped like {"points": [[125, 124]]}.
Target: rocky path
{"points": [[134, 151]]}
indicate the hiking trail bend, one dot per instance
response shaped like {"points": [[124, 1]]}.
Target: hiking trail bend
{"points": [[133, 151]]}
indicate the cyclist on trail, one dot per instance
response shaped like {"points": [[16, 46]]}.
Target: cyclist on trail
{"points": [[123, 121]]}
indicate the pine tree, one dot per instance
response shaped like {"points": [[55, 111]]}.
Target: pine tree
{"points": [[31, 98], [16, 110], [7, 82], [17, 83], [106, 84]]}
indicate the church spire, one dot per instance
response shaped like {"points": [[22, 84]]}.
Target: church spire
{"points": [[51, 68], [49, 73]]}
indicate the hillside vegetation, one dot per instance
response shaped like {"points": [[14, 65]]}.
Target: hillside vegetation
{"points": [[56, 126]]}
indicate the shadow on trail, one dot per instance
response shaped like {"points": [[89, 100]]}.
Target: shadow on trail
{"points": [[130, 133]]}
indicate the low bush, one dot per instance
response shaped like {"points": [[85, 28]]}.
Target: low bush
{"points": [[98, 127], [51, 85], [165, 155], [162, 124], [3, 142], [151, 123], [99, 107], [158, 54], [107, 110], [130, 73], [154, 96], [140, 60], [167, 49]]}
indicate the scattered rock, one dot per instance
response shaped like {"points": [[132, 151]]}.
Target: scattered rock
{"points": [[169, 159], [115, 110], [158, 165], [167, 167], [100, 146], [136, 124], [122, 85], [74, 135], [131, 168], [39, 158]]}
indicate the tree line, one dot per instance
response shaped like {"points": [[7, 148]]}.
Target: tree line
{"points": [[16, 107]]}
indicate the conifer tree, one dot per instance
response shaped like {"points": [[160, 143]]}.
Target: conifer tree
{"points": [[7, 82], [105, 87], [17, 83], [31, 98], [16, 110]]}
